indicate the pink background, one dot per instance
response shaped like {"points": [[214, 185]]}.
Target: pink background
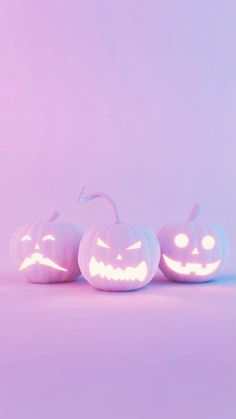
{"points": [[137, 99], [134, 98]]}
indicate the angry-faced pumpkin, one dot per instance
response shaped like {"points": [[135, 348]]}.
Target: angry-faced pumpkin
{"points": [[118, 256], [191, 251], [46, 252]]}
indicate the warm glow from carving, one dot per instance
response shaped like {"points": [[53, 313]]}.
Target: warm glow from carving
{"points": [[48, 237], [181, 240], [39, 258], [25, 238], [101, 243], [208, 242], [191, 268], [138, 273], [136, 245]]}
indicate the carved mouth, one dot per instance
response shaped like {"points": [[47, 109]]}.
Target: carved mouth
{"points": [[117, 274], [191, 268], [39, 258]]}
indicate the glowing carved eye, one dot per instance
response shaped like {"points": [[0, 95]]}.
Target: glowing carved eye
{"points": [[208, 242], [181, 240], [26, 237], [48, 237], [101, 243], [136, 245]]}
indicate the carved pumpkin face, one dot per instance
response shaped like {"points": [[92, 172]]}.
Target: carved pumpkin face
{"points": [[47, 251], [119, 256], [191, 251]]}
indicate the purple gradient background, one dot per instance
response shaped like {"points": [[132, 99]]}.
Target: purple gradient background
{"points": [[137, 99]]}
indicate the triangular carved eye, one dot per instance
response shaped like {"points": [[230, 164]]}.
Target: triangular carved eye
{"points": [[101, 243], [48, 237], [25, 238], [134, 246]]}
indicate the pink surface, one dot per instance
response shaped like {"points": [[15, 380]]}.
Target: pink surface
{"points": [[165, 351]]}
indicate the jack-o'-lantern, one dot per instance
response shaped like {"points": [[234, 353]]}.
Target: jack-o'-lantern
{"points": [[118, 256], [191, 251], [46, 252]]}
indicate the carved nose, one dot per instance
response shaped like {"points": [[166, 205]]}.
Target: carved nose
{"points": [[119, 257], [195, 251], [36, 246]]}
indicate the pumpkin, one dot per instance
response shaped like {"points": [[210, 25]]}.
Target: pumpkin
{"points": [[118, 256], [47, 251], [191, 251]]}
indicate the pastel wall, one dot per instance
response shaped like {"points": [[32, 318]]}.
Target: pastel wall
{"points": [[136, 98]]}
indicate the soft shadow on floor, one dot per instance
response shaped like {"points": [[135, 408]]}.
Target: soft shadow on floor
{"points": [[160, 280], [81, 286]]}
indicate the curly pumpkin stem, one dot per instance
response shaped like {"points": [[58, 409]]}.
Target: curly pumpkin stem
{"points": [[86, 198], [53, 216], [195, 212]]}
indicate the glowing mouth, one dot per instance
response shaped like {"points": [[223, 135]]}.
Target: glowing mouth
{"points": [[107, 271], [191, 268], [39, 258]]}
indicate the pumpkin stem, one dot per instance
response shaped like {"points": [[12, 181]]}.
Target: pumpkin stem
{"points": [[195, 212], [53, 216], [86, 198]]}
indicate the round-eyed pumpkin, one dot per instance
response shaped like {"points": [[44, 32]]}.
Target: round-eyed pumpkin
{"points": [[192, 251], [46, 252], [117, 256]]}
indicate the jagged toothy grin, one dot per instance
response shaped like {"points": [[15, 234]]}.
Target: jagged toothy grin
{"points": [[117, 274], [191, 268]]}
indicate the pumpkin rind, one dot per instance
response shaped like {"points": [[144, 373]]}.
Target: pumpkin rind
{"points": [[62, 251], [118, 256], [119, 237], [193, 262]]}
